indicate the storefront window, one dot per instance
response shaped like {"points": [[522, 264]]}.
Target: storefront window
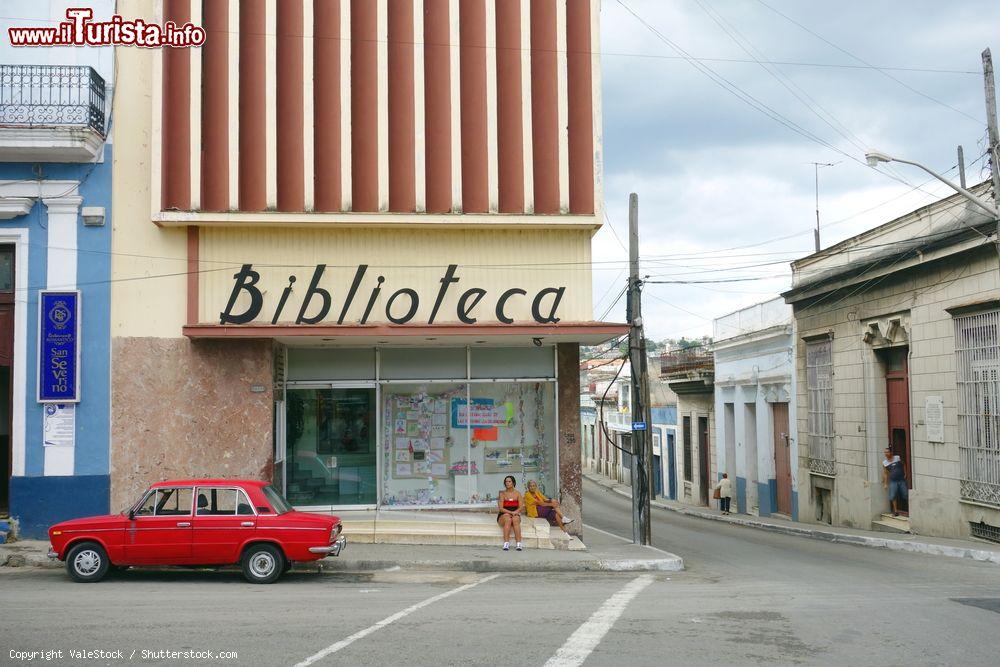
{"points": [[437, 450], [331, 451]]}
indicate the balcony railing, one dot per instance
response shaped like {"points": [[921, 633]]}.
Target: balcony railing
{"points": [[51, 95]]}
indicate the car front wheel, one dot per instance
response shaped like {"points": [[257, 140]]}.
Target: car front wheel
{"points": [[87, 562], [262, 563]]}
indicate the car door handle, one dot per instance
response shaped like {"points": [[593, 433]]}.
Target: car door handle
{"points": [[183, 524], [247, 524]]}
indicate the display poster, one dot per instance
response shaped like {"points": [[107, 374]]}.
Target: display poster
{"points": [[419, 438], [58, 346], [59, 425], [934, 418], [482, 414]]}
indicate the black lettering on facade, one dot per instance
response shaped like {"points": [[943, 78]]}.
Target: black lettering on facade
{"points": [[537, 304], [464, 308], [502, 304], [313, 290], [284, 297], [371, 300], [358, 275], [414, 303], [449, 278], [246, 279]]}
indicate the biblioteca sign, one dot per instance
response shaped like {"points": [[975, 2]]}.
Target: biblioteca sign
{"points": [[401, 305]]}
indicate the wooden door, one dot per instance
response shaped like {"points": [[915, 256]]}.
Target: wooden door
{"points": [[897, 391], [782, 458], [703, 458], [6, 369]]}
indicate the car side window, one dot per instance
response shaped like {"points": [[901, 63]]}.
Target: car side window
{"points": [[222, 502], [173, 502], [147, 506]]}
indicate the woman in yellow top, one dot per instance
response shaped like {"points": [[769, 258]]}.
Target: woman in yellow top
{"points": [[536, 505]]}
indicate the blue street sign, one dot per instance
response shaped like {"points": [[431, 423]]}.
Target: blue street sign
{"points": [[638, 426], [59, 346]]}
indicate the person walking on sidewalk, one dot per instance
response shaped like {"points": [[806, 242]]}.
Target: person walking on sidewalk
{"points": [[894, 479], [724, 492]]}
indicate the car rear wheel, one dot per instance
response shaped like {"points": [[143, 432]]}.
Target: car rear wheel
{"points": [[262, 563], [87, 562]]}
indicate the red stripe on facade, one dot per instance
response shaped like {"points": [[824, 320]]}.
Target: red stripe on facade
{"points": [[176, 105], [544, 107], [290, 107], [326, 100], [437, 105], [215, 108], [608, 329], [475, 173], [402, 138], [581, 107], [253, 97], [364, 105], [510, 126]]}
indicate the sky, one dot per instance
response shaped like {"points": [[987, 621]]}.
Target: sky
{"points": [[727, 190]]}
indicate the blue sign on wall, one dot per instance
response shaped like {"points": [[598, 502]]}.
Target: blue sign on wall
{"points": [[59, 346]]}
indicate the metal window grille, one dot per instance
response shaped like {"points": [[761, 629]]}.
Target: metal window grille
{"points": [[819, 386], [52, 95], [985, 531], [977, 351], [687, 448]]}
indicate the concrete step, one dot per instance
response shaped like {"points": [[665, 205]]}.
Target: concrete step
{"points": [[892, 524]]}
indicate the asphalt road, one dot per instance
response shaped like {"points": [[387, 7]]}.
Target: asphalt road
{"points": [[747, 597]]}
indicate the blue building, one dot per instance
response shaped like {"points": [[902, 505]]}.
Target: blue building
{"points": [[55, 250]]}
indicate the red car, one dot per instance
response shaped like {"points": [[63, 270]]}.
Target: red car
{"points": [[199, 522]]}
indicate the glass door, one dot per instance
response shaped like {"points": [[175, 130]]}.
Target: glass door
{"points": [[330, 435]]}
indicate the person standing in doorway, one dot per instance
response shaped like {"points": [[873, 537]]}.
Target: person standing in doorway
{"points": [[725, 489], [894, 479]]}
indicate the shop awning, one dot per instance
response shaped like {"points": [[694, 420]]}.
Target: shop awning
{"points": [[585, 333]]}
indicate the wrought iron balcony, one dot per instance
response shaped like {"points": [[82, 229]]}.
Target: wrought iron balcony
{"points": [[43, 108]]}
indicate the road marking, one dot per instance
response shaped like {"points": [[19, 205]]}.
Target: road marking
{"points": [[333, 648], [586, 638], [625, 539]]}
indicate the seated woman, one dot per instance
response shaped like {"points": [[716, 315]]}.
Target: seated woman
{"points": [[510, 503], [538, 506]]}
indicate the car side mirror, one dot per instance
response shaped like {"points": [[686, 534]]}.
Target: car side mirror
{"points": [[261, 509], [131, 515]]}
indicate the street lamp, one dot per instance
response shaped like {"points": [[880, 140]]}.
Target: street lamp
{"points": [[874, 157]]}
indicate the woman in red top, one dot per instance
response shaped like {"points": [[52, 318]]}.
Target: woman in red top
{"points": [[510, 504]]}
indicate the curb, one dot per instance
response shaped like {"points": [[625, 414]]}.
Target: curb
{"points": [[594, 565], [981, 555]]}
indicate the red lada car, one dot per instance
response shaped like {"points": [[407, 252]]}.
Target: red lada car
{"points": [[199, 522]]}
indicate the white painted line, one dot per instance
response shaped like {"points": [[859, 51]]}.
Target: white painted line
{"points": [[586, 638], [625, 539], [361, 634]]}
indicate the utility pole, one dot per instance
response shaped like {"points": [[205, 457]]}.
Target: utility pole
{"points": [[993, 135], [641, 441], [816, 166]]}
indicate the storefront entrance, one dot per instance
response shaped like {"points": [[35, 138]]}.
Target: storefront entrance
{"points": [[330, 446]]}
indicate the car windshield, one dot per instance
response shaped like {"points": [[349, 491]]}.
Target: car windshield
{"points": [[277, 501]]}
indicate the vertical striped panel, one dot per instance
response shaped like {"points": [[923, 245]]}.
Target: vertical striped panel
{"points": [[527, 156], [419, 140], [215, 108], [233, 100], [544, 106], [382, 106], [562, 107], [364, 105], [252, 104], [580, 102], [195, 59], [475, 171], [438, 113], [346, 109], [401, 134], [308, 108], [597, 122], [326, 99], [491, 107], [510, 118], [271, 101], [455, 40], [176, 101], [290, 107]]}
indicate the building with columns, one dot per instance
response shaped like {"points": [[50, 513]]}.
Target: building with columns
{"points": [[55, 268], [370, 223]]}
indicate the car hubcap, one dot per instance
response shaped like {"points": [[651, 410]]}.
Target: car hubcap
{"points": [[262, 564], [87, 562]]}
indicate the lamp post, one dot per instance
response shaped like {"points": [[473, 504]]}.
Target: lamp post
{"points": [[875, 157]]}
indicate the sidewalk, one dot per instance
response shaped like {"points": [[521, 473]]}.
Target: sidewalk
{"points": [[603, 554], [933, 546]]}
